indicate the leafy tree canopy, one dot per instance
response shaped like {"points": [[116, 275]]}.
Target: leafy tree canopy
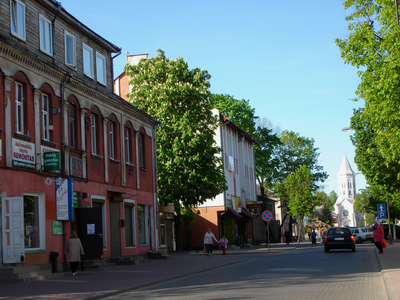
{"points": [[188, 168], [295, 152], [373, 46]]}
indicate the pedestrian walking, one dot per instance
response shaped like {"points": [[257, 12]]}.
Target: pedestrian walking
{"points": [[223, 243], [313, 237], [287, 236], [378, 236], [74, 250], [208, 241], [309, 236]]}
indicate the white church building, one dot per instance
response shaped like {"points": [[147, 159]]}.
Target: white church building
{"points": [[344, 210]]}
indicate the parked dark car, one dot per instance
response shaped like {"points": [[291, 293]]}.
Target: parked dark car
{"points": [[386, 231], [339, 238]]}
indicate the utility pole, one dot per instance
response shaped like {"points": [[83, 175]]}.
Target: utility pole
{"points": [[390, 229]]}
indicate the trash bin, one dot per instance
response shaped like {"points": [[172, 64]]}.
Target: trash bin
{"points": [[54, 261]]}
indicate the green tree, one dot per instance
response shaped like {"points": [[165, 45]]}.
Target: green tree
{"points": [[298, 188], [373, 47], [332, 200], [295, 152], [189, 170]]}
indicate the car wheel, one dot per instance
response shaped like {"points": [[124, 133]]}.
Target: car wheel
{"points": [[360, 240], [326, 249], [353, 249]]}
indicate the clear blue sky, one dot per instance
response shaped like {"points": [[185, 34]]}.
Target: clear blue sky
{"points": [[280, 55]]}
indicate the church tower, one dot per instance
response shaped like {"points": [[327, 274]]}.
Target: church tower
{"points": [[344, 210], [346, 180]]}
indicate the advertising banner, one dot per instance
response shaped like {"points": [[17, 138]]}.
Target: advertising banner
{"points": [[76, 167], [23, 154], [64, 199]]}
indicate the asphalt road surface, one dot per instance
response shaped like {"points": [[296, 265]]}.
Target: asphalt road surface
{"points": [[304, 273]]}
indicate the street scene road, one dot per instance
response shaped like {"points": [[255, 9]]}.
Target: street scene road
{"points": [[303, 273]]}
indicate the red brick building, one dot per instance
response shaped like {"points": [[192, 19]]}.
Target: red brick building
{"points": [[60, 120]]}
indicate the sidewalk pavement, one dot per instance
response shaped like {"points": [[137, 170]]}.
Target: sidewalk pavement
{"points": [[103, 283]]}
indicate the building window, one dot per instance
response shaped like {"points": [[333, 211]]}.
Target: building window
{"points": [[71, 125], [31, 222], [112, 136], [93, 133], [17, 18], [45, 117], [19, 103], [88, 61], [70, 50], [127, 146], [45, 35], [130, 238], [101, 68], [142, 224], [141, 145]]}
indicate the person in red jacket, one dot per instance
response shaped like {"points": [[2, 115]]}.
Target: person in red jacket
{"points": [[378, 236]]}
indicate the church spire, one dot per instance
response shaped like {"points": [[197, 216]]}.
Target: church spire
{"points": [[345, 168], [346, 180]]}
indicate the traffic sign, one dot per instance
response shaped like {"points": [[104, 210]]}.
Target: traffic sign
{"points": [[267, 216], [381, 212]]}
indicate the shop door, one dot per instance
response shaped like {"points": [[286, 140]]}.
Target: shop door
{"points": [[91, 232], [115, 229], [13, 244], [228, 231]]}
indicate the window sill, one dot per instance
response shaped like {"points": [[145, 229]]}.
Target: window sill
{"points": [[115, 161], [49, 143], [96, 156], [73, 67], [47, 53], [130, 164], [22, 136], [18, 37]]}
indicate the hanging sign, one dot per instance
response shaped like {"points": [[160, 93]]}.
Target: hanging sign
{"points": [[64, 199]]}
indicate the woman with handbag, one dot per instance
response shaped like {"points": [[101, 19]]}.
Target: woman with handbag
{"points": [[378, 236]]}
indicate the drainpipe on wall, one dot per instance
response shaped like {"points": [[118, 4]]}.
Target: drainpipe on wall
{"points": [[155, 177], [112, 66], [53, 32], [62, 153], [223, 156]]}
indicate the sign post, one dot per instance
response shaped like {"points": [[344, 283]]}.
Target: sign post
{"points": [[267, 216], [381, 212]]}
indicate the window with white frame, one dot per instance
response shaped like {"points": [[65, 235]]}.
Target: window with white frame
{"points": [[112, 136], [130, 228], [34, 222], [127, 146], [70, 50], [101, 68], [45, 28], [71, 125], [45, 117], [93, 133], [142, 221], [19, 108], [87, 61], [17, 18]]}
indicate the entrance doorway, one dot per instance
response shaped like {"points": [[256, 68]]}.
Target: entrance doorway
{"points": [[91, 232]]}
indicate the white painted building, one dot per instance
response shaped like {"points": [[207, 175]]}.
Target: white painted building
{"points": [[346, 215]]}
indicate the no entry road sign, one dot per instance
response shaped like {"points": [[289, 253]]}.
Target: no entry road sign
{"points": [[267, 215]]}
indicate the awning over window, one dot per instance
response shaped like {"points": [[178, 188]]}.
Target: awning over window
{"points": [[246, 214], [230, 213]]}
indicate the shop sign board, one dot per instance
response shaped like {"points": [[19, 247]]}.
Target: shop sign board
{"points": [[57, 228], [76, 167], [23, 154], [64, 199], [51, 161]]}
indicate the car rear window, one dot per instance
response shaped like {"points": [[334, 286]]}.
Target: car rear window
{"points": [[338, 231]]}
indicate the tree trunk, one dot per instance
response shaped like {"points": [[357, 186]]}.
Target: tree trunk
{"points": [[188, 236], [300, 229], [178, 232]]}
